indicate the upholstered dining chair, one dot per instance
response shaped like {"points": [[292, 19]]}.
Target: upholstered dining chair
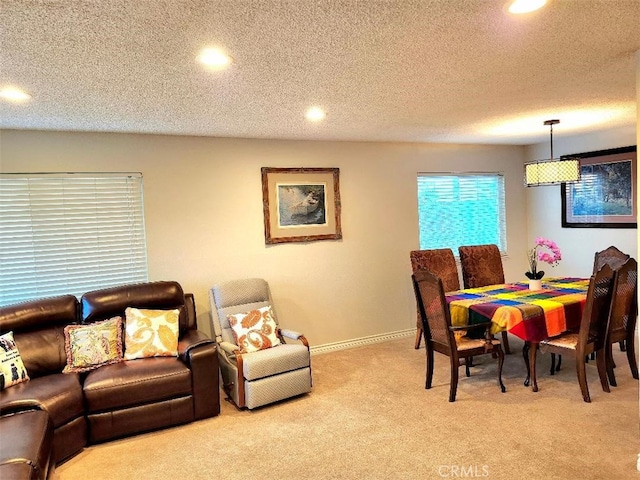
{"points": [[591, 336], [258, 367], [440, 262], [439, 333], [622, 316], [482, 266]]}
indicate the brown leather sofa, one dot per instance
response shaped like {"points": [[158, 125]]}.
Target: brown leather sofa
{"points": [[113, 400]]}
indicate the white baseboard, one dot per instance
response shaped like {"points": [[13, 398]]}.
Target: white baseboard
{"points": [[359, 342]]}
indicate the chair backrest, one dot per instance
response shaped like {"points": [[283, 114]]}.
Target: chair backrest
{"points": [[434, 310], [481, 265], [610, 256], [236, 296], [593, 327], [624, 301], [441, 263]]}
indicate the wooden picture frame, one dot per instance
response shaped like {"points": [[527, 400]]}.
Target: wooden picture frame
{"points": [[605, 197], [301, 204]]}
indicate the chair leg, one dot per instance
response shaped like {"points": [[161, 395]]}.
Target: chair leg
{"points": [[505, 342], [553, 364], [429, 366], [467, 364], [609, 364], [500, 363], [418, 338], [581, 370], [631, 356], [454, 379], [601, 362], [623, 347]]}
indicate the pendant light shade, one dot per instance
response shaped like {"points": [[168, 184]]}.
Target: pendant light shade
{"points": [[549, 172]]}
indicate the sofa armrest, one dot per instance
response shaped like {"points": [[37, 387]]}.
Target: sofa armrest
{"points": [[191, 339], [18, 406]]}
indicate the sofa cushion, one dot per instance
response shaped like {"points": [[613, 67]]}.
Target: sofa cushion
{"points": [[27, 445], [136, 382], [38, 329], [59, 394], [90, 346], [12, 369], [151, 333], [254, 330]]}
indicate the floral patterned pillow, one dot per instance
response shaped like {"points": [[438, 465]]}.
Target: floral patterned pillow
{"points": [[12, 369], [93, 345], [151, 333], [254, 330]]}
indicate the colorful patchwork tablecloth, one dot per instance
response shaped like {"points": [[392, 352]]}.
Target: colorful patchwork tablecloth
{"points": [[532, 315]]}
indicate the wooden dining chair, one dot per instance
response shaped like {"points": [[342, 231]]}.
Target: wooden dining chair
{"points": [[591, 336], [482, 266], [440, 262], [439, 333], [622, 317], [610, 256], [613, 257]]}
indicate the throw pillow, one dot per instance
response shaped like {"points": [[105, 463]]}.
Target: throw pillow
{"points": [[254, 330], [93, 345], [151, 333], [12, 369]]}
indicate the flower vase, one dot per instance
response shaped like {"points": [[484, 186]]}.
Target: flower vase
{"points": [[535, 284]]}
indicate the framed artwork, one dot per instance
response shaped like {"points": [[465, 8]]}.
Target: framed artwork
{"points": [[301, 204], [605, 197]]}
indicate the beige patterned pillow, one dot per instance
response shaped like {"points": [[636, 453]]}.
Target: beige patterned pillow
{"points": [[12, 369], [93, 345], [254, 330], [151, 333]]}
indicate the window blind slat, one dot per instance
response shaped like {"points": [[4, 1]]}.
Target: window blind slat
{"points": [[69, 233]]}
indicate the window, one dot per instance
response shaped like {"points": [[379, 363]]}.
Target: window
{"points": [[461, 209], [69, 233]]}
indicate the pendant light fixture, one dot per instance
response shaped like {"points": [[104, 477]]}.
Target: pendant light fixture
{"points": [[551, 171]]}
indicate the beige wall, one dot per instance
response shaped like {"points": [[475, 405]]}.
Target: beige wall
{"points": [[204, 224], [578, 245]]}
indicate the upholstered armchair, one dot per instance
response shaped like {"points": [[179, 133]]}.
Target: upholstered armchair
{"points": [[257, 364]]}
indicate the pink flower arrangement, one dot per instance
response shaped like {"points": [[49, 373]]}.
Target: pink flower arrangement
{"points": [[552, 257]]}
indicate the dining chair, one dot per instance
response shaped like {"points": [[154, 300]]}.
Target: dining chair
{"points": [[622, 317], [613, 257], [482, 266], [439, 333], [440, 262], [591, 336]]}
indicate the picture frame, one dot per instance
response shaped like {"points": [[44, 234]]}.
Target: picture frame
{"points": [[605, 197], [301, 204]]}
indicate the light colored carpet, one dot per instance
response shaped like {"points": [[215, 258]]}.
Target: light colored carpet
{"points": [[370, 417]]}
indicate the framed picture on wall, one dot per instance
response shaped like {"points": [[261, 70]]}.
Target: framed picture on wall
{"points": [[301, 204], [605, 197]]}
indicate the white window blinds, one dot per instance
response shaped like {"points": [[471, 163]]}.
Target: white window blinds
{"points": [[461, 209], [69, 233]]}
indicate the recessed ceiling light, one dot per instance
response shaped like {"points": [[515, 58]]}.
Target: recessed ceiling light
{"points": [[15, 95], [526, 6], [315, 114], [214, 58]]}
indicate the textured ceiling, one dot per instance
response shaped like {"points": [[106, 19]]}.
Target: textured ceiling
{"points": [[460, 71]]}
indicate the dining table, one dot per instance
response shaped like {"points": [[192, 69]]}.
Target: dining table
{"points": [[532, 315]]}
